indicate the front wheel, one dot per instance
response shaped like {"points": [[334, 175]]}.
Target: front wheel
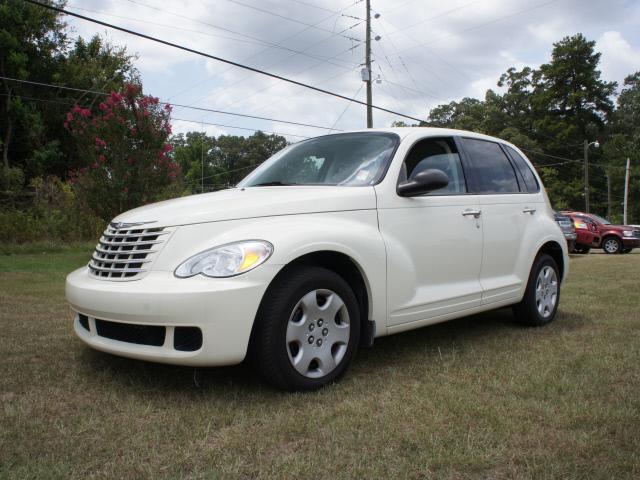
{"points": [[612, 245], [542, 295], [307, 329]]}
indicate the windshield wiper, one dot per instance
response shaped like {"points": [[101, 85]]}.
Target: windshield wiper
{"points": [[273, 184]]}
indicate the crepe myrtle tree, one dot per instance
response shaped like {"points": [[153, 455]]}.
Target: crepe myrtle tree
{"points": [[124, 143]]}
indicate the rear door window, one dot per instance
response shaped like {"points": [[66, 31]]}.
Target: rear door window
{"points": [[492, 170], [530, 182]]}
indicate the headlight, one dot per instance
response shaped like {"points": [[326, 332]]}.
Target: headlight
{"points": [[627, 233], [226, 260]]}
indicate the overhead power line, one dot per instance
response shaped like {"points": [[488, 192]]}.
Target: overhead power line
{"points": [[475, 27], [217, 58], [69, 104], [203, 109], [199, 122], [289, 37], [248, 38], [284, 17]]}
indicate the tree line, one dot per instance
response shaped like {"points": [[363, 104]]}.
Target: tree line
{"points": [[81, 142]]}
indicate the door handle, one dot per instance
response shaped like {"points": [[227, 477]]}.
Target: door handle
{"points": [[472, 213], [529, 210]]}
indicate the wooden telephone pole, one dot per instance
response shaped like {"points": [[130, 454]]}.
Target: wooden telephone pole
{"points": [[367, 76]]}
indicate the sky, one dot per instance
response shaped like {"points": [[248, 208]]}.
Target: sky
{"points": [[429, 52]]}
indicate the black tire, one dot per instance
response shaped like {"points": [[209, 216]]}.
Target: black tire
{"points": [[526, 312], [270, 350], [581, 249], [612, 245]]}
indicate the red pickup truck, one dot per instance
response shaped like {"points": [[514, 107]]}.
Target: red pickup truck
{"points": [[596, 232]]}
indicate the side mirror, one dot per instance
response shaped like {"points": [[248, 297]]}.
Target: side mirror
{"points": [[423, 182]]}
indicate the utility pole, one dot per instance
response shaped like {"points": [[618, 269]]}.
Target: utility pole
{"points": [[586, 176], [202, 158], [367, 76], [608, 197], [626, 192]]}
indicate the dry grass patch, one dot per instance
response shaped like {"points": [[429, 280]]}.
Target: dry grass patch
{"points": [[480, 397]]}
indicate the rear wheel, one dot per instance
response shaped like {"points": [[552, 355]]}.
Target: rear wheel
{"points": [[307, 329], [542, 296], [612, 245]]}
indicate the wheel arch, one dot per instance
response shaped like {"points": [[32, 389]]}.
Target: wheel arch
{"points": [[351, 271], [554, 250]]}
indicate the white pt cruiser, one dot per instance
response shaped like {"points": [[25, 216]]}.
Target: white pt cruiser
{"points": [[330, 243]]}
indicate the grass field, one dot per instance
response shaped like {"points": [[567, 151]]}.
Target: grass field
{"points": [[479, 397]]}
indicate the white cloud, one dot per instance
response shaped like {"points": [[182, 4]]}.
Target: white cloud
{"points": [[436, 51], [619, 58]]}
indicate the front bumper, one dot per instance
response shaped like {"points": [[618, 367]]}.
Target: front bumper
{"points": [[630, 242], [222, 309]]}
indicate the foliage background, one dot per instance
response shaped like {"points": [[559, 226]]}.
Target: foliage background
{"points": [[548, 111]]}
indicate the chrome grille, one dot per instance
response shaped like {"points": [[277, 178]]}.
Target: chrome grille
{"points": [[125, 250]]}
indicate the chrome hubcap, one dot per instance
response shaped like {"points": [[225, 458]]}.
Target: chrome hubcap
{"points": [[546, 291], [611, 246], [318, 333]]}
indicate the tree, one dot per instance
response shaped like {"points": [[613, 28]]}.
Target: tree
{"points": [[467, 114], [125, 144], [31, 39], [625, 143], [569, 87]]}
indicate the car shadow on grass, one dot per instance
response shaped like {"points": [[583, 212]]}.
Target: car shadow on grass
{"points": [[387, 352]]}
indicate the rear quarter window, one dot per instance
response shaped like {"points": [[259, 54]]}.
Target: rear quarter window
{"points": [[530, 182]]}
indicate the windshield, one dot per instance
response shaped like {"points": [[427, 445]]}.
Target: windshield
{"points": [[600, 220], [349, 159]]}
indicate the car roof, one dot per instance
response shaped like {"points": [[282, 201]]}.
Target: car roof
{"points": [[416, 133], [429, 132]]}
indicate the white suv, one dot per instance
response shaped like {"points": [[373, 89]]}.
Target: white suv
{"points": [[331, 242]]}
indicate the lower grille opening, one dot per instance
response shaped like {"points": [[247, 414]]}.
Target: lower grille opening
{"points": [[187, 339], [84, 321], [127, 332]]}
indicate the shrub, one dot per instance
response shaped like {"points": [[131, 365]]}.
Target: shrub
{"points": [[55, 215], [125, 145], [11, 179]]}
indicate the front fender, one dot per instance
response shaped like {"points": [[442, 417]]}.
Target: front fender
{"points": [[352, 233]]}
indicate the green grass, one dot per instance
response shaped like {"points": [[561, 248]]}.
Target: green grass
{"points": [[480, 397]]}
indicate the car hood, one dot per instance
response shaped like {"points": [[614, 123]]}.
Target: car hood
{"points": [[617, 227], [238, 203]]}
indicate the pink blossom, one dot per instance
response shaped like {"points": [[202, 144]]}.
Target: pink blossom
{"points": [[103, 106], [101, 158], [100, 142], [133, 131], [132, 89], [167, 148], [85, 112], [66, 124], [69, 117]]}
